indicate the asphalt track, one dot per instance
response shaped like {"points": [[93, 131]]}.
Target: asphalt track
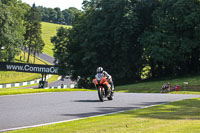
{"points": [[22, 111], [46, 58]]}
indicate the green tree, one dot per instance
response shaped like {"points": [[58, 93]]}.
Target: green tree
{"points": [[60, 18], [45, 12], [53, 16], [105, 34], [66, 15], [38, 42], [32, 36], [11, 28], [172, 42], [60, 42]]}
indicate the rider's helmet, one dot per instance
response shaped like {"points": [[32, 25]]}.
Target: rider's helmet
{"points": [[99, 70]]}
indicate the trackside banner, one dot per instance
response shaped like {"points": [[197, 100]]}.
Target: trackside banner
{"points": [[30, 68]]}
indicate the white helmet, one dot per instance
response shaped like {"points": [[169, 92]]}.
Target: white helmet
{"points": [[99, 70]]}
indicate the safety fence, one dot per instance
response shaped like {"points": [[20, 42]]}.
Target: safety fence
{"points": [[22, 83]]}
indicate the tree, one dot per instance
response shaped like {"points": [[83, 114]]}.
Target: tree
{"points": [[11, 28], [39, 43], [72, 13], [32, 36], [125, 36], [60, 42], [66, 15], [60, 17], [172, 42], [105, 34], [53, 15], [45, 12]]}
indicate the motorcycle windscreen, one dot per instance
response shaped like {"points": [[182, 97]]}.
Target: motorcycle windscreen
{"points": [[99, 76]]}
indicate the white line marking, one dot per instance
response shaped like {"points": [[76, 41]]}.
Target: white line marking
{"points": [[45, 124]]}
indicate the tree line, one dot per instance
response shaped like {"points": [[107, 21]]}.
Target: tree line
{"points": [[55, 15], [20, 29], [127, 36]]}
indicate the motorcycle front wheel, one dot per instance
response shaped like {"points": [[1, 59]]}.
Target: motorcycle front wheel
{"points": [[100, 94]]}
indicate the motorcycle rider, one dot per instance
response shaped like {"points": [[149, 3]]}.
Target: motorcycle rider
{"points": [[108, 77]]}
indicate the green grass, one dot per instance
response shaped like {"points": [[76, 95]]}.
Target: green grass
{"points": [[176, 117], [49, 30], [14, 77], [12, 91], [154, 86], [53, 78]]}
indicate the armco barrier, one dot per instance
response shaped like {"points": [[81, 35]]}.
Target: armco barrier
{"points": [[21, 83], [59, 87]]}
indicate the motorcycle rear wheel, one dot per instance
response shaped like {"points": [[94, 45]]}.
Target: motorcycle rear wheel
{"points": [[111, 96]]}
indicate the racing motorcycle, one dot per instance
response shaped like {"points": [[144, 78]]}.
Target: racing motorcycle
{"points": [[103, 87]]}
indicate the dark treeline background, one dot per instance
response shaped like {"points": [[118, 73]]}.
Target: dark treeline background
{"points": [[125, 36], [55, 15]]}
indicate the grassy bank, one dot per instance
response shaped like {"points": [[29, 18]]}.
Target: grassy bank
{"points": [[14, 77], [49, 30], [182, 116], [154, 86]]}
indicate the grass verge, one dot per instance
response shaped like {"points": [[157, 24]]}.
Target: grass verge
{"points": [[176, 117], [11, 91], [154, 86], [53, 78]]}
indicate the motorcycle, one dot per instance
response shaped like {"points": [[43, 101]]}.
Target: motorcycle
{"points": [[103, 87]]}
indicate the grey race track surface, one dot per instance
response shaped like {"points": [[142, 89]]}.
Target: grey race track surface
{"points": [[46, 58], [33, 109]]}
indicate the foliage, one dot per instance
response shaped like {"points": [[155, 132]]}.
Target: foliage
{"points": [[33, 38], [106, 34], [16, 25], [172, 42], [11, 28], [57, 16], [60, 41], [125, 37]]}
